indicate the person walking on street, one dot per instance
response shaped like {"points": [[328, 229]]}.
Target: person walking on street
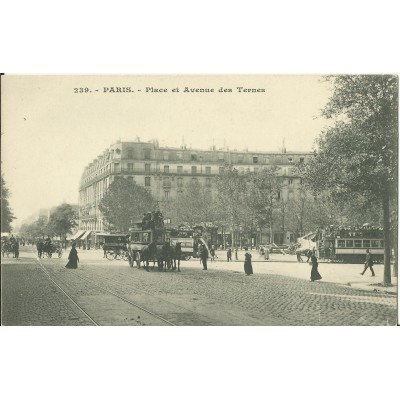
{"points": [[266, 253], [368, 263], [73, 258], [39, 247], [199, 250], [315, 276], [248, 268], [204, 256], [16, 249], [212, 253], [229, 254]]}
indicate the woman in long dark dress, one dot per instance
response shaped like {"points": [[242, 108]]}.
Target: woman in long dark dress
{"points": [[248, 268], [315, 276], [73, 258]]}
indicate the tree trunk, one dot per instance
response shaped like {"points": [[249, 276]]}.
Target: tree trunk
{"points": [[386, 232], [395, 265], [395, 250]]}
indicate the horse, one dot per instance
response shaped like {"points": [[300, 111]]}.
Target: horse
{"points": [[160, 252], [176, 254], [145, 253]]}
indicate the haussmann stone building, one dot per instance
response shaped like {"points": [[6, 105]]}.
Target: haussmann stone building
{"points": [[165, 171]]}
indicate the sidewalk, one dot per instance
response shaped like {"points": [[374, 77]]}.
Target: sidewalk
{"points": [[287, 265]]}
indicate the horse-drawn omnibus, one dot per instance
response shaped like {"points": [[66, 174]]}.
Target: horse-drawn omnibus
{"points": [[153, 242], [139, 239]]}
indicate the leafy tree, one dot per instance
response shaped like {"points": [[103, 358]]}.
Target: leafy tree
{"points": [[63, 220], [123, 203], [358, 153], [230, 199], [261, 197], [194, 206], [37, 229], [7, 215]]}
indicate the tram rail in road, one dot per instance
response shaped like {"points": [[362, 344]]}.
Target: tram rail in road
{"points": [[103, 289]]}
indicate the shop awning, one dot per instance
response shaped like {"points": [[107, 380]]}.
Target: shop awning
{"points": [[310, 236], [77, 235], [86, 234]]}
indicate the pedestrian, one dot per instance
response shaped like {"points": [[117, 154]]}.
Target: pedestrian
{"points": [[73, 258], [16, 249], [315, 276], [266, 253], [248, 268], [204, 256], [199, 247], [39, 247], [368, 263], [103, 246], [229, 254], [212, 253]]}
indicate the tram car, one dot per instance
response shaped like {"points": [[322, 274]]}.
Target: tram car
{"points": [[350, 246]]}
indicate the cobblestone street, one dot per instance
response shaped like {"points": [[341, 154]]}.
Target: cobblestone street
{"points": [[223, 295]]}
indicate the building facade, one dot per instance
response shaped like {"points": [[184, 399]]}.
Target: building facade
{"points": [[165, 171]]}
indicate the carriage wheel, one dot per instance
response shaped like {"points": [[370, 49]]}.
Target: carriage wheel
{"points": [[110, 255], [125, 256]]}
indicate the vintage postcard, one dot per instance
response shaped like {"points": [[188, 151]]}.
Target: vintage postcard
{"points": [[199, 200]]}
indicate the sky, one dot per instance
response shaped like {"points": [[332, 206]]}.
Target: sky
{"points": [[52, 126]]}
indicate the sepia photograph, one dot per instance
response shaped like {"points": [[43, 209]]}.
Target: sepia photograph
{"points": [[199, 200]]}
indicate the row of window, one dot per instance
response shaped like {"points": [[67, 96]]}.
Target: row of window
{"points": [[179, 191], [360, 243], [194, 169], [212, 157], [167, 181], [147, 168], [179, 170]]}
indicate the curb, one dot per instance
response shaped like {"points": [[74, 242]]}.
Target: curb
{"points": [[371, 288]]}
